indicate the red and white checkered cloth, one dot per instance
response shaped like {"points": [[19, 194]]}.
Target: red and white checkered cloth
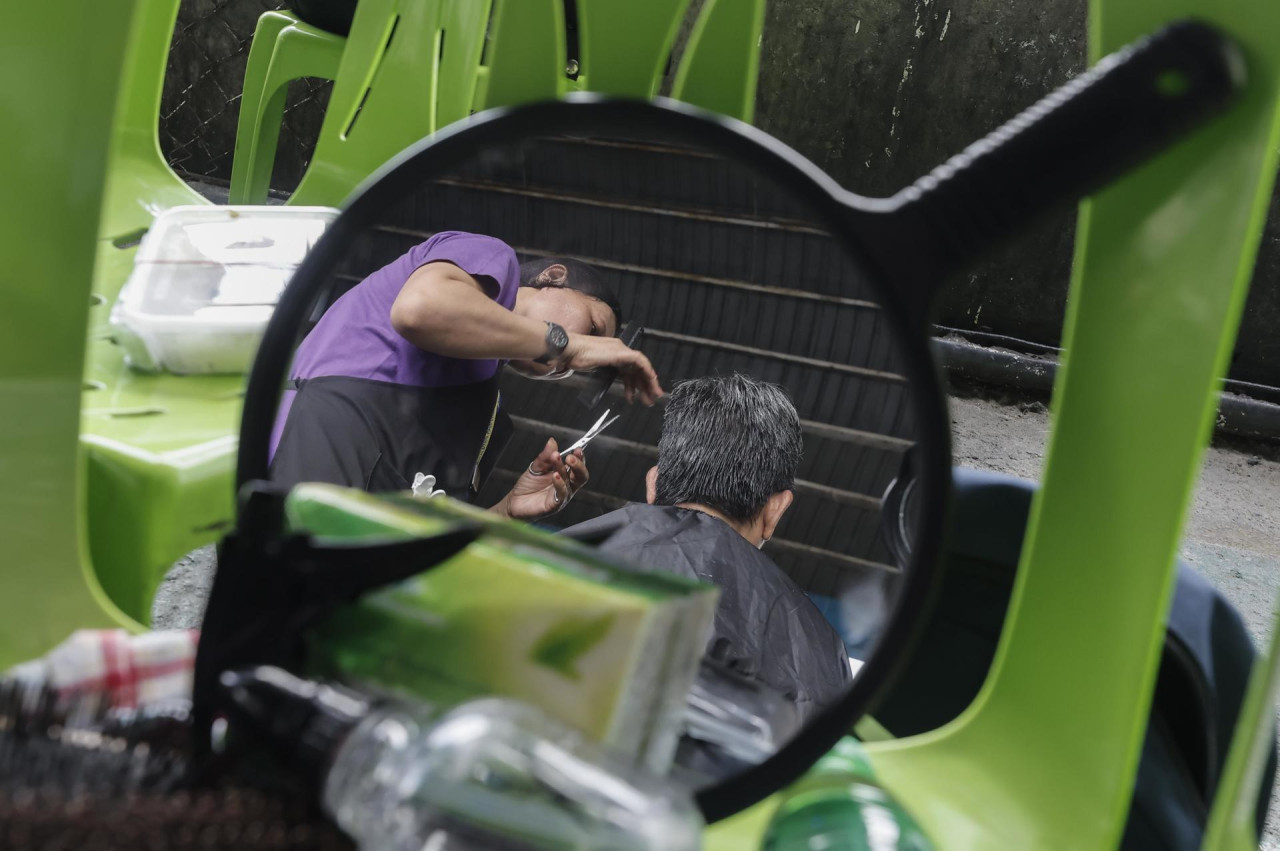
{"points": [[133, 670]]}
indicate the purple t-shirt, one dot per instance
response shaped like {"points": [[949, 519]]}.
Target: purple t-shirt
{"points": [[355, 339]]}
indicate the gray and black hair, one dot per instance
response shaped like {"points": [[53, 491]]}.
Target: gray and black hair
{"points": [[729, 443]]}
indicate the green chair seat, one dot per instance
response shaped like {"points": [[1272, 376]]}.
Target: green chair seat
{"points": [[159, 451]]}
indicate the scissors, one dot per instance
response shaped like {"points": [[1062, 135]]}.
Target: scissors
{"points": [[592, 433]]}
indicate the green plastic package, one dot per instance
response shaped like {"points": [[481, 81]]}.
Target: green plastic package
{"points": [[519, 613]]}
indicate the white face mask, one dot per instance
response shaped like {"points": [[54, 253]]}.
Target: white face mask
{"points": [[551, 376]]}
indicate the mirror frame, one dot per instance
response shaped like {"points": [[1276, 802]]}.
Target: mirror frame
{"points": [[749, 147]]}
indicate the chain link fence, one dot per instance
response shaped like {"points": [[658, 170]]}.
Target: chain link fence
{"points": [[202, 86]]}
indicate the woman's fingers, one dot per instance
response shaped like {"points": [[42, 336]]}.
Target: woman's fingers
{"points": [[578, 474], [641, 380], [639, 377], [548, 460], [559, 493]]}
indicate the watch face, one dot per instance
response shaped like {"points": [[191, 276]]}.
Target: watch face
{"points": [[557, 338]]}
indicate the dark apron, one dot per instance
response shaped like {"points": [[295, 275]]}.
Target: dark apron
{"points": [[376, 435]]}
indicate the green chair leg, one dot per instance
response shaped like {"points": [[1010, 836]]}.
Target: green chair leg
{"points": [[270, 24], [283, 50], [54, 173]]}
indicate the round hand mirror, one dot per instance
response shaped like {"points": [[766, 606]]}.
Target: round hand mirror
{"points": [[784, 318]]}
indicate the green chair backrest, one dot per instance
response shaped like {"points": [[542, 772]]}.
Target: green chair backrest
{"points": [[462, 34], [526, 55], [53, 167], [1046, 756], [721, 62], [139, 181], [410, 68], [624, 45], [396, 77]]}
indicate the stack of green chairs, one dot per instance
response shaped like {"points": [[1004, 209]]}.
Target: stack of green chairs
{"points": [[284, 48], [407, 69]]}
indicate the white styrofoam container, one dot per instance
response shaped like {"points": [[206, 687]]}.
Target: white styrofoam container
{"points": [[205, 281]]}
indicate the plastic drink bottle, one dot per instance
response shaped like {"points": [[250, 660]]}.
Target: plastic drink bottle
{"points": [[838, 806], [488, 774]]}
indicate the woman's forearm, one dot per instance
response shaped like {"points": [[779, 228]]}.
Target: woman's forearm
{"points": [[443, 310]]}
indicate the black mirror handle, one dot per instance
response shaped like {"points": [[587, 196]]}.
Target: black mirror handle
{"points": [[1130, 105]]}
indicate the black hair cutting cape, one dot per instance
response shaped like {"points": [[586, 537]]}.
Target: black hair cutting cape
{"points": [[765, 628]]}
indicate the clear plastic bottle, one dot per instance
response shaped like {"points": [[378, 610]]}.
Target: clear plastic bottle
{"points": [[489, 774]]}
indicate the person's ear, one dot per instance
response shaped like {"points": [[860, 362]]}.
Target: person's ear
{"points": [[773, 511], [555, 275], [651, 485]]}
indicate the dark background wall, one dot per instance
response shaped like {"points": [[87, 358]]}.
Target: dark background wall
{"points": [[877, 92]]}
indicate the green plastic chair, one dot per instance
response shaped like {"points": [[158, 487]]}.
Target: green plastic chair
{"points": [[1046, 756], [408, 67], [400, 89], [284, 48], [55, 174], [139, 181], [159, 449]]}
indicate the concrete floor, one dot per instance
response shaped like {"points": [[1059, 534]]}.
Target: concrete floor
{"points": [[1233, 531], [1232, 534]]}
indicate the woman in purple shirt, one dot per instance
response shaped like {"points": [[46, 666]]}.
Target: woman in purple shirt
{"points": [[400, 375]]}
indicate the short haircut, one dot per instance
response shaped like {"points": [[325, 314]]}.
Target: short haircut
{"points": [[729, 443], [582, 277]]}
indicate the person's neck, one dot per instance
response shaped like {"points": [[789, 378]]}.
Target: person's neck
{"points": [[747, 530]]}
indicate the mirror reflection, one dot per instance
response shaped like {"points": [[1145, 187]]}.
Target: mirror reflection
{"points": [[746, 419]]}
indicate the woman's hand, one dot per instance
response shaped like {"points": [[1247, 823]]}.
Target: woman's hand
{"points": [[585, 352], [546, 485]]}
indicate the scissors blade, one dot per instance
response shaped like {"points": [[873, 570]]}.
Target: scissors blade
{"points": [[600, 425]]}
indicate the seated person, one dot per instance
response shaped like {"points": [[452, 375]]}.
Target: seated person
{"points": [[727, 462]]}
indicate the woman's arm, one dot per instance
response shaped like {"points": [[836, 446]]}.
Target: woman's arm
{"points": [[443, 310]]}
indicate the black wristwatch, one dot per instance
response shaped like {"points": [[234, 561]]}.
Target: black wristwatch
{"points": [[557, 342]]}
